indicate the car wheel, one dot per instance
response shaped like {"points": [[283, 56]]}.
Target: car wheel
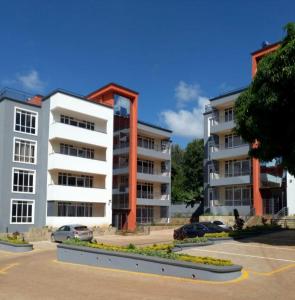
{"points": [[53, 238]]}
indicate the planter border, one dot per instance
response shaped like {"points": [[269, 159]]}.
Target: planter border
{"points": [[7, 246], [145, 264]]}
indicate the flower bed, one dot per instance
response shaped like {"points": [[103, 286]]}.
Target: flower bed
{"points": [[156, 259], [15, 245]]}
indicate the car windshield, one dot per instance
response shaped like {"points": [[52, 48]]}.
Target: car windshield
{"points": [[81, 228]]}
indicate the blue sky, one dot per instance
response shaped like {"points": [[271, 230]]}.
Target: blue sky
{"points": [[175, 53]]}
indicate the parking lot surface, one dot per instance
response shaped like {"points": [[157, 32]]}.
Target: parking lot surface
{"points": [[268, 261]]}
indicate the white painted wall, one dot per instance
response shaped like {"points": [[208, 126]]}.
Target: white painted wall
{"points": [[103, 118], [291, 193]]}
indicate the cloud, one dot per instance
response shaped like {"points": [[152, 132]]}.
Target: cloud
{"points": [[185, 93], [183, 122], [31, 81], [28, 81]]}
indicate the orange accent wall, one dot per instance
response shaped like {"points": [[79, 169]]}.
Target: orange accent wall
{"points": [[257, 197], [106, 95], [36, 100]]}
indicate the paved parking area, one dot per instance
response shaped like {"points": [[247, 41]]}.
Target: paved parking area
{"points": [[269, 273]]}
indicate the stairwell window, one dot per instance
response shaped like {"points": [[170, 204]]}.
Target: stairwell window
{"points": [[23, 181], [25, 151], [22, 211], [25, 121]]}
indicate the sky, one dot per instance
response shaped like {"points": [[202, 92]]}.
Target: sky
{"points": [[176, 53]]}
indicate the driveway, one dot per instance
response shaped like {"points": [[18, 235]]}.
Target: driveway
{"points": [[269, 273]]}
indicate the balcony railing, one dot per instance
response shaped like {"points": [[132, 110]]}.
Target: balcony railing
{"points": [[147, 195], [155, 147], [218, 147], [100, 130], [151, 171], [77, 152]]}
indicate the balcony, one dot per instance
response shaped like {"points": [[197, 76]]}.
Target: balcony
{"points": [[153, 175], [217, 180], [218, 125], [78, 194], [67, 132], [58, 161], [222, 152], [153, 199], [155, 151], [270, 181]]}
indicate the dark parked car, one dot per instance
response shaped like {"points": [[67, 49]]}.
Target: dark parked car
{"points": [[214, 228], [67, 232], [196, 230], [189, 231]]}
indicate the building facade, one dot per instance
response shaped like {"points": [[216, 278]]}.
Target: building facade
{"points": [[231, 179], [57, 154]]}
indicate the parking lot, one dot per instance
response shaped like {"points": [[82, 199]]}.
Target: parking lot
{"points": [[268, 261]]}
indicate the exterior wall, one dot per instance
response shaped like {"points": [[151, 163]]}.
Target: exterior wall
{"points": [[101, 170], [7, 134]]}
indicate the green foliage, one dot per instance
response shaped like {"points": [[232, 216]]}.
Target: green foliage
{"points": [[187, 172], [196, 240], [157, 250], [265, 111]]}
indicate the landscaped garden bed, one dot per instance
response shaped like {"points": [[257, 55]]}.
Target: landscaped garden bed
{"points": [[156, 259], [13, 244]]}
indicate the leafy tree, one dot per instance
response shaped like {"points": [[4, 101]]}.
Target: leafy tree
{"points": [[187, 172], [265, 112]]}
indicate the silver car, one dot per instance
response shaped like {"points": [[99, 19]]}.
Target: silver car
{"points": [[67, 232]]}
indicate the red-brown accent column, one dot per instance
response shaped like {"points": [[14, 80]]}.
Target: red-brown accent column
{"points": [[133, 166], [257, 197], [106, 95]]}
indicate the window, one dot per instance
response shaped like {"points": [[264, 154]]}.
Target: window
{"points": [[228, 114], [236, 168], [76, 122], [25, 121], [76, 151], [75, 180], [69, 209], [145, 166], [25, 151], [145, 190], [23, 181], [146, 142], [232, 140], [22, 211], [144, 214], [237, 196]]}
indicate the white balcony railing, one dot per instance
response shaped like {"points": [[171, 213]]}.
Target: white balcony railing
{"points": [[60, 161]]}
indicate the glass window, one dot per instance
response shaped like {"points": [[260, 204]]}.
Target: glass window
{"points": [[76, 122], [22, 211], [25, 121], [23, 181], [24, 151]]}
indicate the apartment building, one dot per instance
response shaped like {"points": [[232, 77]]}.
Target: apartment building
{"points": [[231, 179], [141, 162], [57, 154]]}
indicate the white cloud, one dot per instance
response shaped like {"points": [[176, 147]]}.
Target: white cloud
{"points": [[185, 93], [184, 122], [31, 81]]}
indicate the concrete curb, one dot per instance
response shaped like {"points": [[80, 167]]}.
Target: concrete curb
{"points": [[145, 264], [11, 247]]}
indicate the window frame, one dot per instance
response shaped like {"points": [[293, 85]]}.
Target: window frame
{"points": [[34, 181], [27, 140], [33, 211], [36, 122]]}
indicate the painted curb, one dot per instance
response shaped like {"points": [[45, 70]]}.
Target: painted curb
{"points": [[6, 246], [145, 264]]}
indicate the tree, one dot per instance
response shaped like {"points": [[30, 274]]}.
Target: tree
{"points": [[265, 111], [187, 172]]}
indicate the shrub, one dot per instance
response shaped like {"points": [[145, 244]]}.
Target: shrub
{"points": [[158, 250]]}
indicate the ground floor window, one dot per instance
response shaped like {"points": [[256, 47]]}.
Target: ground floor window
{"points": [[72, 209], [144, 214], [22, 211], [237, 196]]}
